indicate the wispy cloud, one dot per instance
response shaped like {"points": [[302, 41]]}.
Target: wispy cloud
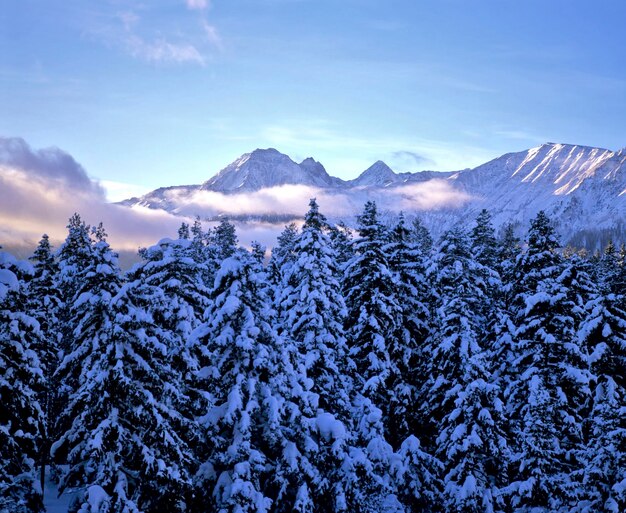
{"points": [[162, 50], [31, 206], [520, 135], [405, 160], [40, 189], [211, 34], [128, 19], [146, 36], [197, 5]]}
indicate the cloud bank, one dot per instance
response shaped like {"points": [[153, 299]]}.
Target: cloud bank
{"points": [[31, 205], [48, 165], [293, 200], [41, 189]]}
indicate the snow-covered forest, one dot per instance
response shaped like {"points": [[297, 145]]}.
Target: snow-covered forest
{"points": [[376, 371]]}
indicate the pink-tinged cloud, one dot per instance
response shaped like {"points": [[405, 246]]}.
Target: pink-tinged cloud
{"points": [[41, 189], [292, 200], [197, 5]]}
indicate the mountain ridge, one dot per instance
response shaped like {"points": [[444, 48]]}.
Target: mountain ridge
{"points": [[582, 187]]}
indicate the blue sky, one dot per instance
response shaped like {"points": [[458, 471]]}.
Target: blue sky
{"points": [[151, 93]]}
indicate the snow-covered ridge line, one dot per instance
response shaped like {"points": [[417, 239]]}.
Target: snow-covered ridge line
{"points": [[580, 187]]}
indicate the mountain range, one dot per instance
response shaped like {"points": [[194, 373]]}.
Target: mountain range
{"points": [[583, 190]]}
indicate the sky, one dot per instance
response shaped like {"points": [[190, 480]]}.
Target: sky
{"points": [[152, 93]]}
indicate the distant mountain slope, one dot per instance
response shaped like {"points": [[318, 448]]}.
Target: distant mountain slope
{"points": [[268, 168], [582, 188], [378, 174]]}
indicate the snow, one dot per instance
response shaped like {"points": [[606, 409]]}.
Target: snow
{"points": [[53, 503], [286, 393], [580, 187], [266, 168], [329, 427], [8, 281]]}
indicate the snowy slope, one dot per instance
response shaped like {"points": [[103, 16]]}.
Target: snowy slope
{"points": [[579, 187], [267, 168], [378, 174], [582, 188]]}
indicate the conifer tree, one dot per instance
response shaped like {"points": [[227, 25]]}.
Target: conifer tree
{"points": [[183, 231], [550, 383], [258, 252], [484, 245], [407, 346], [338, 472], [508, 251], [310, 317], [73, 258], [311, 313], [242, 423], [417, 475], [373, 309], [606, 265], [45, 305], [123, 442], [371, 324], [204, 251], [169, 286], [462, 399], [282, 254], [580, 288], [224, 239], [421, 236], [603, 461], [172, 283], [341, 241], [197, 249], [618, 281], [21, 380]]}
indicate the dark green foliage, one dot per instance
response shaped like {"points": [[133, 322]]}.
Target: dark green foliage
{"points": [[21, 384], [383, 373], [550, 380]]}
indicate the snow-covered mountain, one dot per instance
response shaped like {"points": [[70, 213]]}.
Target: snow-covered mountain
{"points": [[378, 174], [268, 168], [582, 188]]}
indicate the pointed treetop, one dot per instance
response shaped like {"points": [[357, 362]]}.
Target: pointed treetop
{"points": [[313, 218], [75, 221], [225, 238], [541, 236], [484, 244], [422, 236], [43, 253], [196, 229], [258, 251], [99, 232], [183, 231], [400, 232], [368, 223]]}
